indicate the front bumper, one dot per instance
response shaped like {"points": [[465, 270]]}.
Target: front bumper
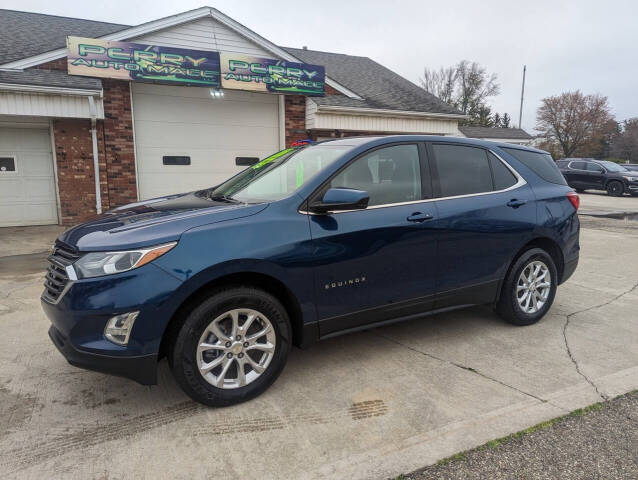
{"points": [[79, 316], [142, 369]]}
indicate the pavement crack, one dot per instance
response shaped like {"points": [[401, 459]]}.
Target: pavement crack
{"points": [[568, 318], [469, 369]]}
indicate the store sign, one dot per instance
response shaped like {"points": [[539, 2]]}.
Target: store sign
{"points": [[142, 63], [245, 72], [137, 62]]}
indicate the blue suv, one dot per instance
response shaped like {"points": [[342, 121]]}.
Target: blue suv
{"points": [[307, 244]]}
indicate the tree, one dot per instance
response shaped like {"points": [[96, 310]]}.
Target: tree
{"points": [[440, 83], [505, 121], [466, 86], [474, 87], [579, 124], [496, 120], [625, 143]]}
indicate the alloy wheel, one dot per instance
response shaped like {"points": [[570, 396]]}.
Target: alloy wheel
{"points": [[533, 287], [236, 348]]}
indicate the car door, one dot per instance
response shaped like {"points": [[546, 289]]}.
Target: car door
{"points": [[486, 212], [576, 175], [595, 176], [378, 263]]}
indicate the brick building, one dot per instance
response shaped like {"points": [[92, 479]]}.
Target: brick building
{"points": [[57, 130]]}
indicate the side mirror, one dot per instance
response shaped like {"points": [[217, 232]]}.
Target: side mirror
{"points": [[336, 199]]}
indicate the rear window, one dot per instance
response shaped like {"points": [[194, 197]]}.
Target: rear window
{"points": [[462, 170], [541, 164]]}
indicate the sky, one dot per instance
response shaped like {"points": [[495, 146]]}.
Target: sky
{"points": [[584, 45]]}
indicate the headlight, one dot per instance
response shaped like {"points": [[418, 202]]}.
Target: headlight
{"points": [[96, 264], [631, 179]]}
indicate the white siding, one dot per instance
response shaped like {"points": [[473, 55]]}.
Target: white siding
{"points": [[43, 105], [204, 34], [316, 119]]}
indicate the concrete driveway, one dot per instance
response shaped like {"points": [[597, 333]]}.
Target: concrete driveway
{"points": [[367, 405]]}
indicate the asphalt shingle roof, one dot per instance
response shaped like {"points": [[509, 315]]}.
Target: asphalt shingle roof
{"points": [[380, 87], [489, 132], [24, 34], [53, 78]]}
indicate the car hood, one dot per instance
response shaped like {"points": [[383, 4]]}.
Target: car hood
{"points": [[153, 222]]}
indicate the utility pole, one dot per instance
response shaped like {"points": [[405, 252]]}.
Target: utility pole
{"points": [[520, 113]]}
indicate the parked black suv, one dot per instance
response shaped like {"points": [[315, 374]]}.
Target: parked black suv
{"points": [[586, 173]]}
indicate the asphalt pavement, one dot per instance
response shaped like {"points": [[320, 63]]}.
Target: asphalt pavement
{"points": [[600, 442]]}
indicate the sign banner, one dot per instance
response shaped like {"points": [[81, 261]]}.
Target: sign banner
{"points": [[245, 72], [142, 63]]}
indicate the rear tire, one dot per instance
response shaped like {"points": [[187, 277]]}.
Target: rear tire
{"points": [[245, 333], [615, 188], [525, 297]]}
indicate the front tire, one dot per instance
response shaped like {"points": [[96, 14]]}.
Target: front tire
{"points": [[615, 188], [529, 288], [232, 346]]}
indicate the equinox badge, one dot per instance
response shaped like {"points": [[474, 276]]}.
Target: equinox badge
{"points": [[345, 283]]}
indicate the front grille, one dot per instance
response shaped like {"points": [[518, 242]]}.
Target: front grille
{"points": [[56, 277]]}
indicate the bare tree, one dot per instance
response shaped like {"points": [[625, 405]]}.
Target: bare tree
{"points": [[441, 83], [577, 123], [466, 86], [475, 85]]}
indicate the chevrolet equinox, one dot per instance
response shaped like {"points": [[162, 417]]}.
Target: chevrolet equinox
{"points": [[306, 244]]}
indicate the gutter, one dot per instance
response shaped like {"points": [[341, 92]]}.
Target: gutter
{"points": [[51, 90], [387, 112], [96, 165]]}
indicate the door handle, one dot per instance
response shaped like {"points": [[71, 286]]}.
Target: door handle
{"points": [[419, 217], [515, 203]]}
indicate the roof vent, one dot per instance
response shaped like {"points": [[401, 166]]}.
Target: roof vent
{"points": [[304, 47]]}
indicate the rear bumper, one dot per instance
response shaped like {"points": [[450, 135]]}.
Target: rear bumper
{"points": [[142, 369], [570, 268]]}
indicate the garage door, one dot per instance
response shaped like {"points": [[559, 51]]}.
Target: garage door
{"points": [[177, 122], [27, 188]]}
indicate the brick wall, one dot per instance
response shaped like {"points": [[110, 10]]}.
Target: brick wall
{"points": [[76, 181], [119, 148]]}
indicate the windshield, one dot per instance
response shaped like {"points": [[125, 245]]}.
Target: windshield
{"points": [[277, 176], [613, 167]]}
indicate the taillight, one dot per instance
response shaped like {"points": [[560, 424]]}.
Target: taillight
{"points": [[574, 199]]}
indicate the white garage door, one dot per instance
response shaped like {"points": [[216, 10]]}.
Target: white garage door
{"points": [[27, 188], [188, 122]]}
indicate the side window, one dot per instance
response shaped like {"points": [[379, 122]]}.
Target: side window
{"points": [[593, 167], [578, 166], [503, 177], [541, 163], [462, 170], [389, 175]]}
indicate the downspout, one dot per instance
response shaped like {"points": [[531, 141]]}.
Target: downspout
{"points": [[96, 165]]}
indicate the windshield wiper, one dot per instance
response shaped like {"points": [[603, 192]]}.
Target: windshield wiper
{"points": [[223, 198]]}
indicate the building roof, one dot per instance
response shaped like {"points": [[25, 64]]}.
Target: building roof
{"points": [[379, 86], [49, 78], [24, 34], [489, 132]]}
